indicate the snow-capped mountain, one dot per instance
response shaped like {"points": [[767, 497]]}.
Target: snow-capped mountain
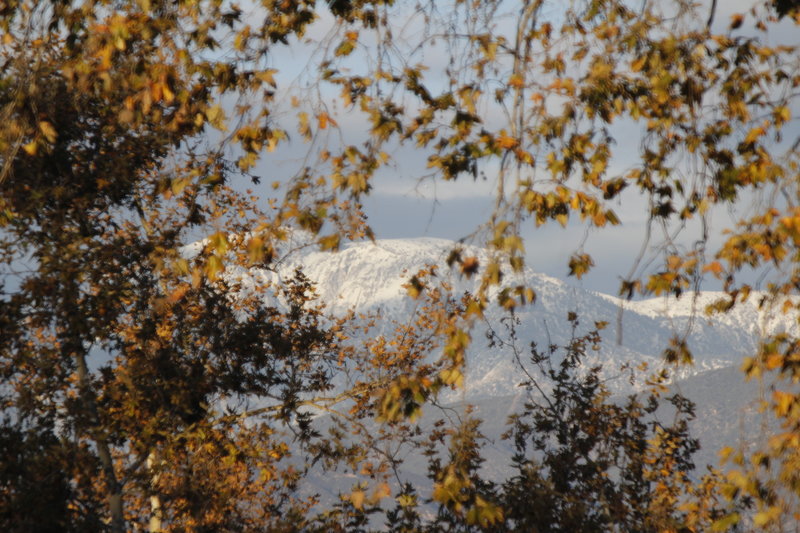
{"points": [[369, 276]]}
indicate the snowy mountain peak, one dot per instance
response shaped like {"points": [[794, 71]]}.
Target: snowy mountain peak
{"points": [[367, 276]]}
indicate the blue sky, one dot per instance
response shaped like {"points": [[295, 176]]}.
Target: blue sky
{"points": [[404, 205]]}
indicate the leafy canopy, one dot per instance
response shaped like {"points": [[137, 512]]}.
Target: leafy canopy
{"points": [[128, 129]]}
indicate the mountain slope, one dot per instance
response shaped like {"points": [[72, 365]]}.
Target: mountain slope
{"points": [[367, 276]]}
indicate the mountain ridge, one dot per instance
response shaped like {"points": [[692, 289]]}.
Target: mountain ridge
{"points": [[370, 277]]}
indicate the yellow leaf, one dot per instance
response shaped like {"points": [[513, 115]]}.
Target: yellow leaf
{"points": [[773, 361], [169, 96], [345, 48], [325, 119], [105, 57], [219, 243], [177, 294], [782, 114], [783, 402], [725, 453], [303, 127], [474, 308], [213, 267], [31, 148], [580, 264], [178, 185], [601, 70], [181, 266], [255, 250], [452, 376], [506, 142], [357, 498], [753, 135], [267, 76], [725, 523], [126, 116], [48, 130], [493, 273], [766, 517], [414, 287], [516, 81], [381, 491], [469, 266], [330, 242], [529, 295], [513, 243], [715, 267], [638, 64], [216, 117], [673, 263], [406, 500]]}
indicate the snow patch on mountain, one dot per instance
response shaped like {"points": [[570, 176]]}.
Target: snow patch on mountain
{"points": [[370, 277]]}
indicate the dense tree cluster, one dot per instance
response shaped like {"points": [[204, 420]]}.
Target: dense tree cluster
{"points": [[144, 387]]}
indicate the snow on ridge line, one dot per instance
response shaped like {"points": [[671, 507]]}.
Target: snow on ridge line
{"points": [[367, 273], [371, 274], [367, 276], [692, 305]]}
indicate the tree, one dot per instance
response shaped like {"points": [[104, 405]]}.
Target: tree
{"points": [[118, 348], [599, 464], [583, 460], [128, 127]]}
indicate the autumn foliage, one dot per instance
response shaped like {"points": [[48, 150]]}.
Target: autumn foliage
{"points": [[145, 386]]}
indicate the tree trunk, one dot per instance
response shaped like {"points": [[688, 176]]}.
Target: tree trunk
{"points": [[103, 450], [155, 524]]}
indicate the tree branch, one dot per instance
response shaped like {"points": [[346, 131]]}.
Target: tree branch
{"points": [[711, 14]]}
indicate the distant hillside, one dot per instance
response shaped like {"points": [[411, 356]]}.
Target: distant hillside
{"points": [[367, 276]]}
